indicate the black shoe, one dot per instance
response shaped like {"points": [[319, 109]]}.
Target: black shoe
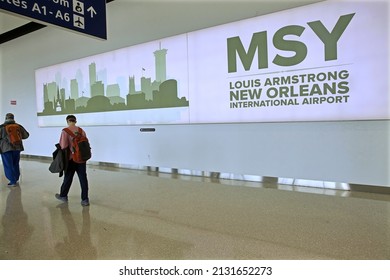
{"points": [[62, 198], [85, 202]]}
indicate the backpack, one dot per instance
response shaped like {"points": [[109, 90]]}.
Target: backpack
{"points": [[81, 150], [14, 134]]}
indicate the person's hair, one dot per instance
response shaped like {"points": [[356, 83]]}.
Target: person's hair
{"points": [[71, 118], [9, 116]]}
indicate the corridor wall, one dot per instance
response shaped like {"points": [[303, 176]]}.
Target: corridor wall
{"points": [[338, 151]]}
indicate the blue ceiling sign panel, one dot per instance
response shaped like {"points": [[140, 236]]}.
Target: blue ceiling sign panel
{"points": [[83, 16]]}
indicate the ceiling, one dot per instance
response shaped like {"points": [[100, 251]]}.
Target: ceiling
{"points": [[9, 22], [12, 27]]}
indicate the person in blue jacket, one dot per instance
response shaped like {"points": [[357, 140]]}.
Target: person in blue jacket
{"points": [[10, 153]]}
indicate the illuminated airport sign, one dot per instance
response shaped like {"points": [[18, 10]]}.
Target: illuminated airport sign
{"points": [[83, 16], [322, 62]]}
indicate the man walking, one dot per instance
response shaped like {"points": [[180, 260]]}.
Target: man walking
{"points": [[11, 144], [66, 140]]}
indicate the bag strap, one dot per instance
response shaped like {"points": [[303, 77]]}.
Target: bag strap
{"points": [[71, 133], [8, 124]]}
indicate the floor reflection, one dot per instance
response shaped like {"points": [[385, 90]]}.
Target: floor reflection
{"points": [[76, 245], [16, 229], [137, 215], [136, 244]]}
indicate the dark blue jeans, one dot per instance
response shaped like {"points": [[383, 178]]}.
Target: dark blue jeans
{"points": [[11, 161], [81, 170]]}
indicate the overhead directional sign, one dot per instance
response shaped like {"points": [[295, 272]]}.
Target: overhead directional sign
{"points": [[84, 16]]}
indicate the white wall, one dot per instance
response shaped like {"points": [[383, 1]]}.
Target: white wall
{"points": [[351, 152]]}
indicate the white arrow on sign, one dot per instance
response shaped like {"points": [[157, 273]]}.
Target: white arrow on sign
{"points": [[92, 11]]}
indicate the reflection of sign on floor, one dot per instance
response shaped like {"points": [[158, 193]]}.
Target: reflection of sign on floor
{"points": [[87, 16]]}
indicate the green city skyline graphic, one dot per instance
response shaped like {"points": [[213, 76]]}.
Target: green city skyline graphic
{"points": [[160, 93]]}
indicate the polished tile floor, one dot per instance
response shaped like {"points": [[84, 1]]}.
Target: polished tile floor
{"points": [[151, 216]]}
